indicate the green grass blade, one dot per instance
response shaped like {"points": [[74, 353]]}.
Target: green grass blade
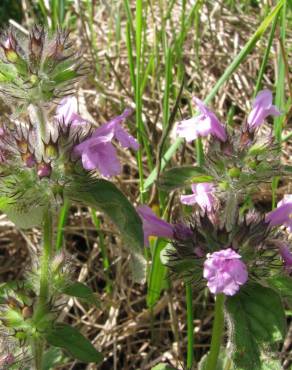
{"points": [[129, 16], [138, 96], [190, 325], [279, 99], [103, 250], [249, 46], [266, 57], [157, 274], [280, 84], [130, 55], [63, 217], [168, 79]]}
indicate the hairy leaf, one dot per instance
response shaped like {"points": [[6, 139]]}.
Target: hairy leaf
{"points": [[179, 177], [69, 338], [282, 283], [105, 196], [256, 319], [82, 291]]}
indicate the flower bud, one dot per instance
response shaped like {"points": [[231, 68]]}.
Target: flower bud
{"points": [[234, 172], [51, 151], [29, 159], [36, 45], [6, 360], [44, 170], [9, 47], [27, 312]]}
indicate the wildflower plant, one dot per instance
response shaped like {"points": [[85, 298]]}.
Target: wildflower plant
{"points": [[49, 155], [228, 244]]}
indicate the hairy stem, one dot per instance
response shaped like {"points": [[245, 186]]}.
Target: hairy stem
{"points": [[38, 118], [44, 293], [218, 328]]}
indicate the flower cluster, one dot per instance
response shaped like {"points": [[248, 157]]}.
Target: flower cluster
{"points": [[221, 244], [39, 69], [41, 168]]}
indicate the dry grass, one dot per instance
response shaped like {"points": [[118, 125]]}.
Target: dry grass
{"points": [[129, 335]]}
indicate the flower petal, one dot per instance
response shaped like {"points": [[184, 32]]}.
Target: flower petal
{"points": [[125, 139], [153, 225]]}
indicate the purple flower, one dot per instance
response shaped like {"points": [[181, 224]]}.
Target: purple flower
{"points": [[154, 226], [224, 272], [97, 152], [282, 215], [182, 232], [67, 111], [202, 125], [261, 108], [286, 256], [202, 194]]}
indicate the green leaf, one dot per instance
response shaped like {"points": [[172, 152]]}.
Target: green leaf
{"points": [[78, 289], [163, 367], [282, 283], [65, 76], [271, 364], [105, 196], [52, 357], [82, 291], [257, 319], [179, 177], [223, 362], [23, 215], [68, 338]]}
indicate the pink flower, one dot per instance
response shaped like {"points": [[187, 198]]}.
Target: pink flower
{"points": [[67, 111], [262, 108], [153, 225], [202, 125], [286, 256], [225, 272], [203, 195], [97, 152], [282, 215]]}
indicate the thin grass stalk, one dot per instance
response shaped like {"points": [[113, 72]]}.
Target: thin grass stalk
{"points": [[138, 97], [129, 38], [103, 250], [129, 16], [266, 57], [280, 98], [167, 86], [226, 75], [190, 325], [130, 55], [280, 85], [43, 9], [93, 40]]}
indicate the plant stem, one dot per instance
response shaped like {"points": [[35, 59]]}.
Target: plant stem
{"points": [[42, 304], [218, 328], [63, 216], [190, 323], [38, 118]]}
